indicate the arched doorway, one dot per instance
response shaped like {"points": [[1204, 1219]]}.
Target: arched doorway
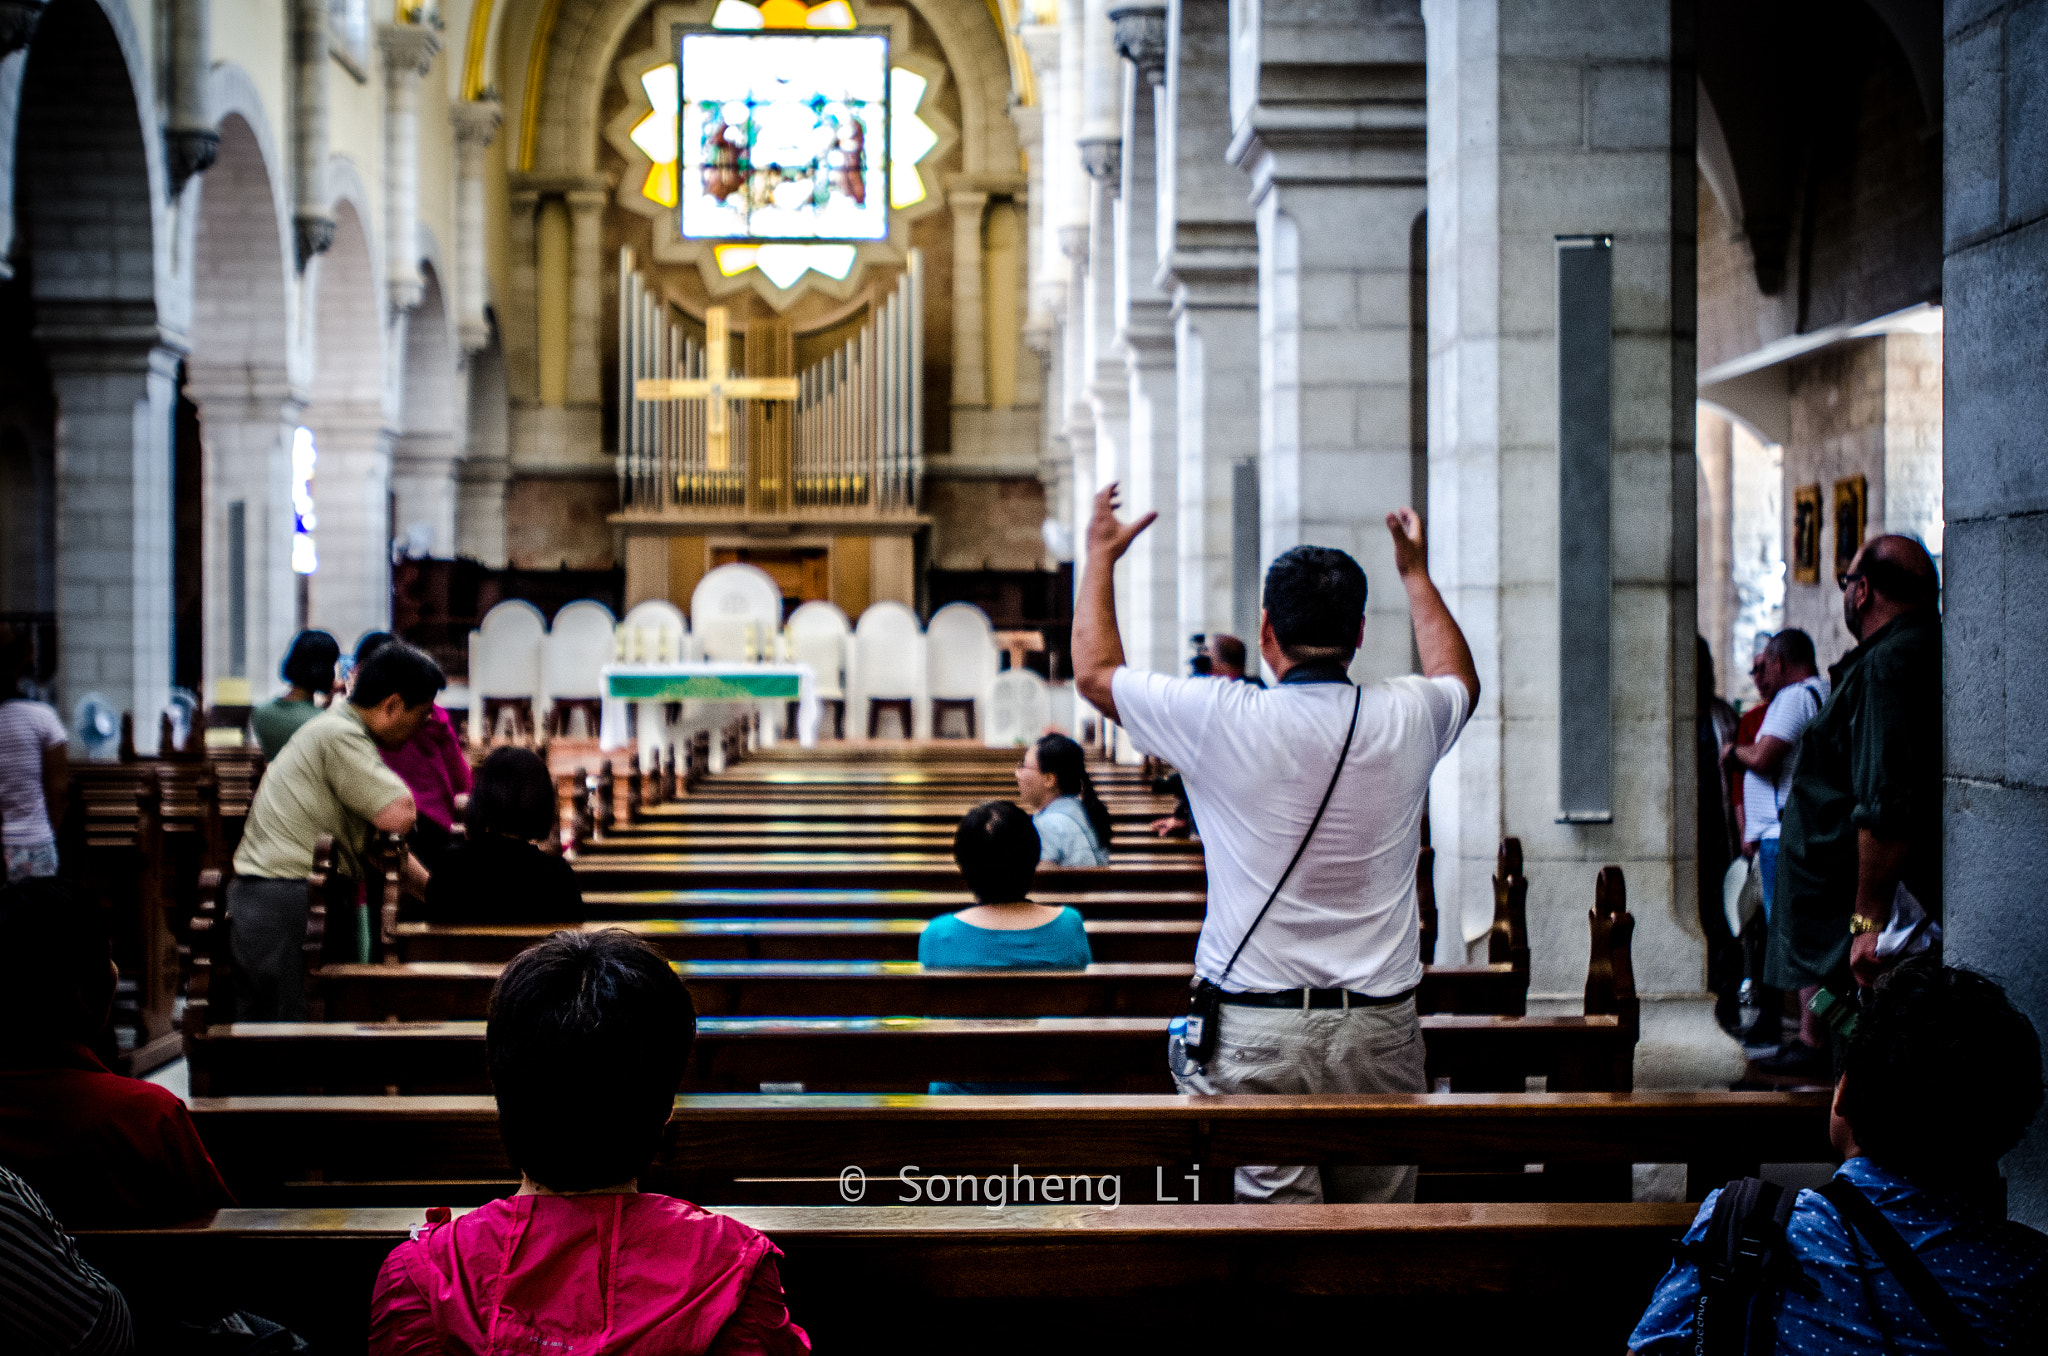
{"points": [[237, 376], [87, 295]]}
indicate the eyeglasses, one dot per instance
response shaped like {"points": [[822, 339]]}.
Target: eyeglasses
{"points": [[1846, 578]]}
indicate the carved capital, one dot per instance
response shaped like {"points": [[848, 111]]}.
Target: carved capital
{"points": [[1104, 160], [315, 235], [407, 48], [1140, 37], [18, 20], [189, 151], [476, 122]]}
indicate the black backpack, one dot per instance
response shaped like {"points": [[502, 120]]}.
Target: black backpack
{"points": [[1743, 1261]]}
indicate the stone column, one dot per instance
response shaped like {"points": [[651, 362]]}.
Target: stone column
{"points": [[970, 347], [351, 592], [1337, 187], [191, 141], [114, 566], [519, 322], [408, 54], [248, 418], [586, 296], [476, 123], [312, 219], [1150, 611], [1995, 485], [1210, 267], [1545, 121]]}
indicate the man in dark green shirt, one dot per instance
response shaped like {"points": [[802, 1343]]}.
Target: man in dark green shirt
{"points": [[1864, 813]]}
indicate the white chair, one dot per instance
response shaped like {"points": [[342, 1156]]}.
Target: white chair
{"points": [[734, 609], [888, 663], [504, 668], [819, 635], [578, 646], [1019, 709], [653, 632], [962, 662]]}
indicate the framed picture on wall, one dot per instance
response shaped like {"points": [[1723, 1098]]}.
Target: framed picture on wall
{"points": [[1806, 535], [1851, 497]]}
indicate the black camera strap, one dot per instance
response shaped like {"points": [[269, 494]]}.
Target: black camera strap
{"points": [[1343, 756]]}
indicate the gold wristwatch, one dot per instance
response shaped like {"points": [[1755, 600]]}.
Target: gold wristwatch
{"points": [[1862, 923]]}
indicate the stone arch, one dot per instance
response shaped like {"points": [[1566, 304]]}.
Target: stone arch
{"points": [[586, 41], [423, 490], [239, 376], [351, 591], [88, 178]]}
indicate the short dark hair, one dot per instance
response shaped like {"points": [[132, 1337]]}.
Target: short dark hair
{"points": [[54, 978], [1230, 649], [369, 643], [1315, 598], [1943, 1074], [310, 662], [996, 848], [514, 795], [1901, 569], [400, 668], [1793, 647], [589, 1036]]}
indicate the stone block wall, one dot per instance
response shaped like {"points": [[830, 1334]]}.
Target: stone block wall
{"points": [[1995, 485]]}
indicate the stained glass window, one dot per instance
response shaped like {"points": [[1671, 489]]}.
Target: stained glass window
{"points": [[782, 136]]}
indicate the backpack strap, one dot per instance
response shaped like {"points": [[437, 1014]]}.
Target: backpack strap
{"points": [[1908, 1270], [1740, 1255]]}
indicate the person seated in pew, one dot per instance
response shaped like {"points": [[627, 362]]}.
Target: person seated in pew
{"points": [[308, 672], [997, 850], [51, 1299], [1073, 824], [499, 873], [433, 767], [588, 1038], [329, 779], [1941, 1078], [101, 1149]]}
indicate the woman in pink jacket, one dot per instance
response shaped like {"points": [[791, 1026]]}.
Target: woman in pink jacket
{"points": [[588, 1039]]}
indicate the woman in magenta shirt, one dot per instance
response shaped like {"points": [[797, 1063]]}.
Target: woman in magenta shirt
{"points": [[589, 1036], [433, 767]]}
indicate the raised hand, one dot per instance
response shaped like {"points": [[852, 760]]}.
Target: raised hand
{"points": [[1108, 538], [1411, 547]]}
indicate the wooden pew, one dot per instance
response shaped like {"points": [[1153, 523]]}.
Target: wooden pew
{"points": [[867, 902], [1079, 1278], [704, 939], [611, 873], [439, 991], [351, 1151]]}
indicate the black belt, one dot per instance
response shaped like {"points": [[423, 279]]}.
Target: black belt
{"points": [[1315, 998]]}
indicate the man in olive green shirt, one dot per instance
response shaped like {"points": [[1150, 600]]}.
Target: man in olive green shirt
{"points": [[1864, 814], [329, 778]]}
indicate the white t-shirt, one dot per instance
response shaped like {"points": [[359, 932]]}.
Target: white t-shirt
{"points": [[1787, 717], [26, 729], [1256, 762]]}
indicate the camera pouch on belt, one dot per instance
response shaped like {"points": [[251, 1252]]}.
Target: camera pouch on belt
{"points": [[1205, 998]]}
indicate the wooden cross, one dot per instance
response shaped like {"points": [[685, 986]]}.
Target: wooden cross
{"points": [[717, 388]]}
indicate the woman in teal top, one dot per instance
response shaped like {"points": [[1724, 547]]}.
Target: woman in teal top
{"points": [[997, 850]]}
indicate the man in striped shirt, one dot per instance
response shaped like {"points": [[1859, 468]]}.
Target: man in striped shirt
{"points": [[51, 1302]]}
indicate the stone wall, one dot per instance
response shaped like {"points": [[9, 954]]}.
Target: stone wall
{"points": [[1995, 480], [992, 524]]}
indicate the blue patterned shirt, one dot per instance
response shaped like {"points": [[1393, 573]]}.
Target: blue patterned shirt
{"points": [[1065, 837], [1995, 1270]]}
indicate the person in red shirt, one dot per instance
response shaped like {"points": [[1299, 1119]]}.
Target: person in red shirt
{"points": [[588, 1038], [99, 1148]]}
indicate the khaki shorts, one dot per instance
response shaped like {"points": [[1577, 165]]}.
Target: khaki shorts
{"points": [[1292, 1050]]}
